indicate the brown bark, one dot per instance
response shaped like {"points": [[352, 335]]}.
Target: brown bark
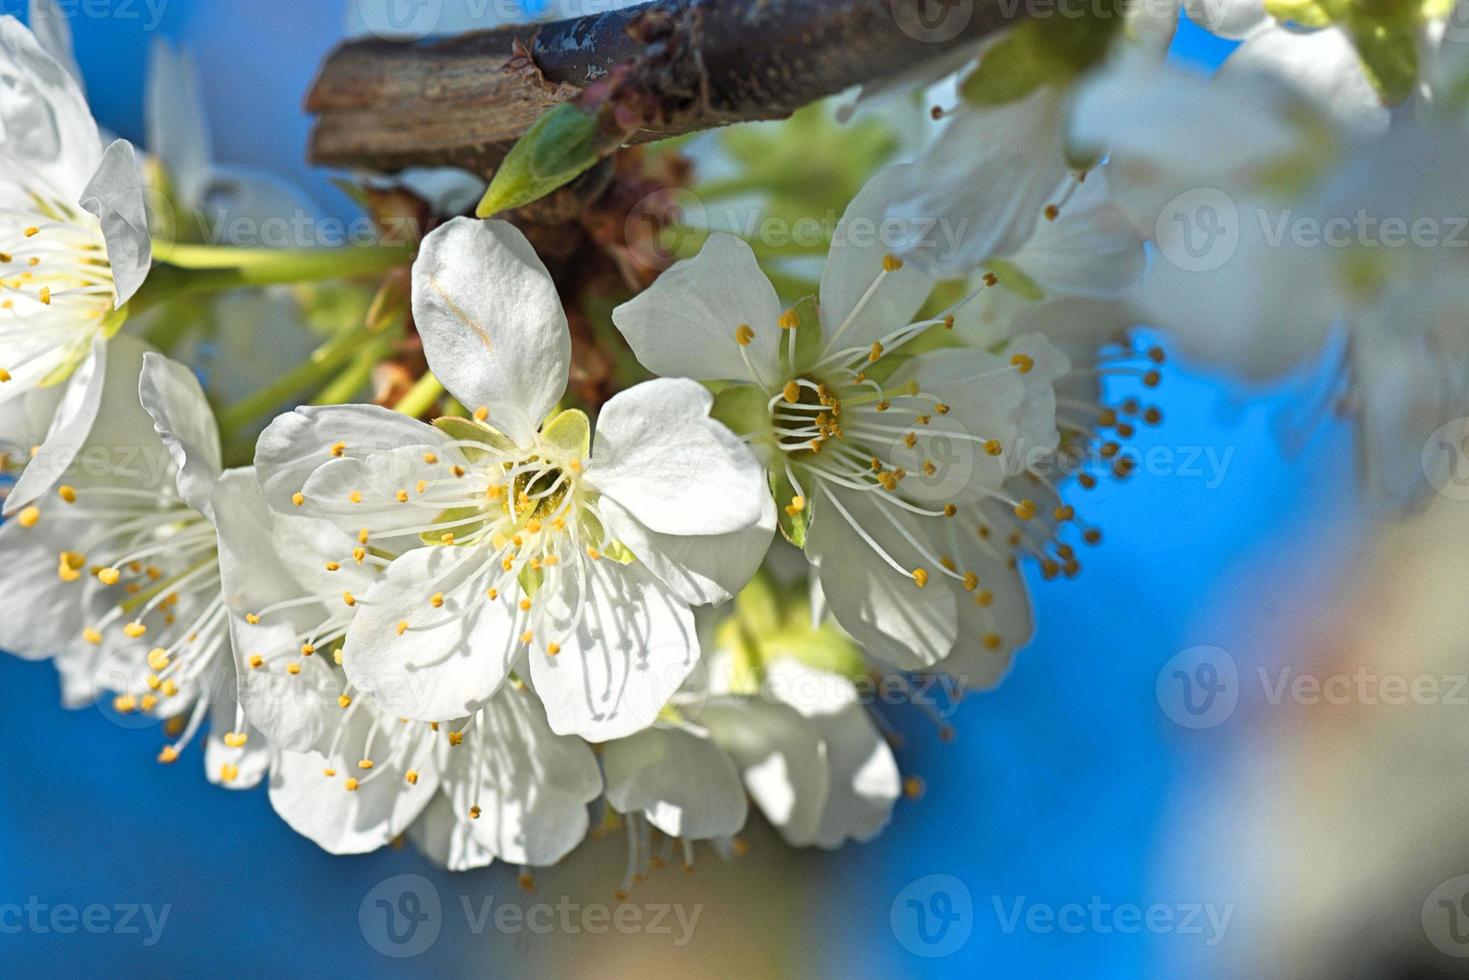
{"points": [[672, 66]]}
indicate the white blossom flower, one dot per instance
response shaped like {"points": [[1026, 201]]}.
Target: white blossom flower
{"points": [[524, 541], [1288, 235], [853, 425], [74, 247]]}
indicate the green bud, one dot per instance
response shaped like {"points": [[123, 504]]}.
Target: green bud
{"points": [[562, 145]]}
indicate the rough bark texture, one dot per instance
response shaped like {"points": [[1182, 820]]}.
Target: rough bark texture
{"points": [[671, 66]]}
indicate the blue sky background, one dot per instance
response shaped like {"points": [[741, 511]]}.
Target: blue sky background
{"points": [[1067, 783]]}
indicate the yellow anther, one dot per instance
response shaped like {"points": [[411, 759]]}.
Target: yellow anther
{"points": [[338, 448], [134, 630], [481, 413], [474, 813], [293, 668], [236, 740], [797, 504], [436, 600], [329, 773], [365, 764], [32, 232], [402, 496], [45, 296], [791, 392], [446, 538], [256, 661], [456, 738], [593, 553], [157, 659], [359, 554], [1025, 510], [492, 594], [91, 636], [307, 649], [421, 486], [789, 320], [971, 581], [526, 637], [349, 598], [553, 648], [891, 263], [332, 566], [402, 626], [298, 498], [149, 702], [875, 353], [949, 322], [4, 374], [941, 408], [355, 496], [743, 335], [362, 536], [67, 493], [125, 704], [948, 563], [950, 510], [351, 784], [525, 605], [169, 755], [29, 517], [252, 619], [992, 641], [1052, 212], [990, 279], [170, 688], [430, 458], [920, 576], [457, 470], [983, 597], [884, 405], [412, 777]]}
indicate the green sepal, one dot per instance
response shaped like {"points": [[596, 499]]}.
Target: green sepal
{"points": [[569, 432], [449, 516], [472, 430], [792, 526], [741, 408], [559, 147]]}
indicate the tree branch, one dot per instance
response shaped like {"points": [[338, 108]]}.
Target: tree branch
{"points": [[673, 66]]}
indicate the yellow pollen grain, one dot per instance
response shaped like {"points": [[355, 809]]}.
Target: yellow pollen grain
{"points": [[365, 764], [359, 555], [430, 458]]}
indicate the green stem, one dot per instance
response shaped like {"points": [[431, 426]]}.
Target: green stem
{"points": [[357, 374], [323, 363], [421, 397]]}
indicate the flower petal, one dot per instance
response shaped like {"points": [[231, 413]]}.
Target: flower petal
{"points": [[632, 648], [170, 393], [491, 322], [1321, 65], [447, 839], [344, 821], [885, 610], [45, 124], [531, 785], [679, 779], [781, 758], [684, 325], [178, 130], [117, 196], [53, 33], [449, 659], [865, 782], [859, 247], [659, 455], [701, 569]]}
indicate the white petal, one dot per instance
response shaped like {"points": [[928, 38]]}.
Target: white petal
{"points": [[1321, 65], [447, 839], [491, 322], [684, 325], [346, 821], [117, 196], [979, 188], [181, 414], [681, 781], [100, 434], [43, 614], [859, 247], [659, 455], [1091, 249], [780, 755], [251, 761], [449, 660], [701, 569], [298, 443], [865, 782], [633, 648], [295, 712], [178, 131], [531, 785], [999, 606], [45, 124], [883, 609], [53, 32]]}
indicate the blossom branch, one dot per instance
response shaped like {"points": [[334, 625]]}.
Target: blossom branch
{"points": [[670, 67]]}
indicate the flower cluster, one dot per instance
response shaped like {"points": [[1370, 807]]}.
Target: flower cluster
{"points": [[526, 619]]}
